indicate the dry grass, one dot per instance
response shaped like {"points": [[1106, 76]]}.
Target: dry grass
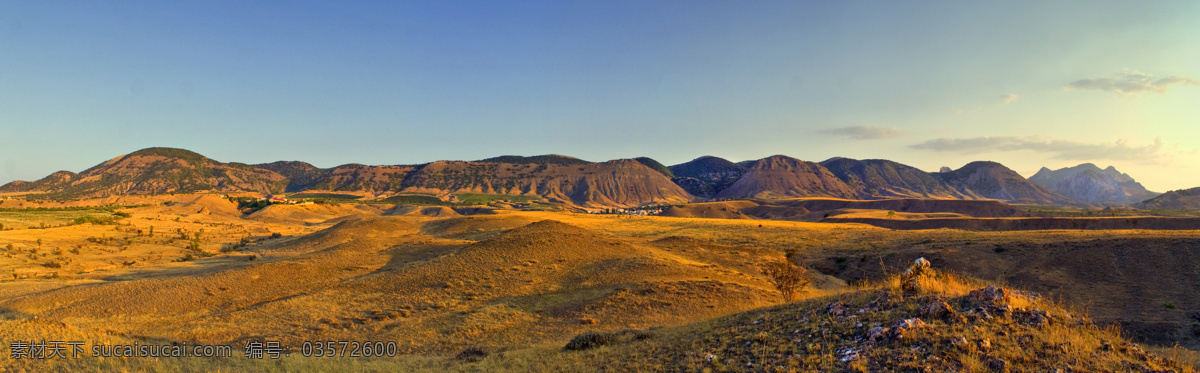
{"points": [[516, 289]]}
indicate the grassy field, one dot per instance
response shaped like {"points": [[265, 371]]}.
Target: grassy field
{"points": [[506, 291]]}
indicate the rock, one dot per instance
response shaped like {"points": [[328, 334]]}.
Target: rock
{"points": [[903, 327], [998, 365], [917, 268], [937, 309], [959, 342], [877, 333], [991, 295], [836, 309], [910, 280]]}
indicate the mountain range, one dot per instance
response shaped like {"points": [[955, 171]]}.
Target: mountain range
{"points": [[615, 183]]}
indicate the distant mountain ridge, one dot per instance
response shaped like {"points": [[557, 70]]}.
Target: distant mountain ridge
{"points": [[1089, 184], [991, 180], [616, 183]]}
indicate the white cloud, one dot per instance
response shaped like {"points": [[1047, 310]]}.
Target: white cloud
{"points": [[866, 132], [1132, 83], [1059, 149]]}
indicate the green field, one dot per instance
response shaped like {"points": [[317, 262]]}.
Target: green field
{"points": [[33, 218], [483, 199], [333, 196], [407, 199]]}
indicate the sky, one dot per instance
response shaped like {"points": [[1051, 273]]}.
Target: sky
{"points": [[924, 83]]}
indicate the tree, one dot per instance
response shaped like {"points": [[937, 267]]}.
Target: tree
{"points": [[787, 278]]}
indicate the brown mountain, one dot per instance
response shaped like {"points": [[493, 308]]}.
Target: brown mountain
{"points": [[706, 176], [880, 178], [1089, 184], [1183, 199], [781, 176], [154, 171], [992, 180]]}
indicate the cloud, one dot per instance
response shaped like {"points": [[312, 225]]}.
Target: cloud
{"points": [[866, 132], [1060, 149], [1009, 98], [1131, 83]]}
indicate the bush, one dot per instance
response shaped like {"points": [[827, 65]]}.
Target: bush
{"points": [[471, 354], [786, 277], [589, 340]]}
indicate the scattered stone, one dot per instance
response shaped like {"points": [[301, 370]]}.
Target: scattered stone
{"points": [[848, 354]]}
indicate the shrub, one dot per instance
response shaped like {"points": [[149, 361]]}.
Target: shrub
{"points": [[589, 340], [786, 277], [471, 354]]}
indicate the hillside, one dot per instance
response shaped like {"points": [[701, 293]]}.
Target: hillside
{"points": [[781, 176], [613, 183], [706, 176], [155, 171], [1183, 199], [1089, 184], [992, 180], [887, 179], [941, 323]]}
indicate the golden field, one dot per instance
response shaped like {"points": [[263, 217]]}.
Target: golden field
{"points": [[516, 286]]}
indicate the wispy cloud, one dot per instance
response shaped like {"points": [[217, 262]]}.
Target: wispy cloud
{"points": [[1009, 98], [866, 132], [1059, 149], [1132, 83]]}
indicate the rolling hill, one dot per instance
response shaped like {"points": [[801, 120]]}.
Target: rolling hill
{"points": [[1089, 184]]}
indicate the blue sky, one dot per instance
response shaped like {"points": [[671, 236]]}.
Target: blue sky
{"points": [[929, 84]]}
